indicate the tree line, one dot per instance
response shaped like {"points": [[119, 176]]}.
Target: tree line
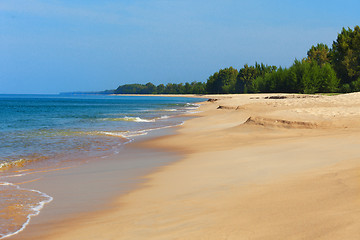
{"points": [[324, 70], [170, 88]]}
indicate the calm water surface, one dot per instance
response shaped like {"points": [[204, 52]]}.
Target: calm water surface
{"points": [[38, 127]]}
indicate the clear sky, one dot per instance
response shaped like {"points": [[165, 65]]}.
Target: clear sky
{"points": [[49, 46]]}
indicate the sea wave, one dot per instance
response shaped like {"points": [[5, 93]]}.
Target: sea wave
{"points": [[123, 134], [30, 209], [129, 119], [164, 117], [136, 119], [131, 134], [192, 105], [191, 108], [10, 164]]}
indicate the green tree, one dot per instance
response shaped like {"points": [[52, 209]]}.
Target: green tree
{"points": [[301, 77], [160, 88], [198, 87], [149, 89], [245, 78], [245, 81], [129, 89], [227, 77], [212, 84], [345, 56], [180, 88], [223, 81], [319, 54], [170, 88], [188, 88]]}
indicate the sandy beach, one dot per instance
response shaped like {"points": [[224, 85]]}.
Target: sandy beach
{"points": [[262, 166]]}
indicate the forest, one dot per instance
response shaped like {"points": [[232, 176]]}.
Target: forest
{"points": [[323, 70]]}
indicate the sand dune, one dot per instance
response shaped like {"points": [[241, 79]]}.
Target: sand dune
{"points": [[268, 122]]}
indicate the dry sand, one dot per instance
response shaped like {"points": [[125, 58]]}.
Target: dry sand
{"points": [[263, 166]]}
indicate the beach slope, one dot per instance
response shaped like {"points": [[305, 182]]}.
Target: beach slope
{"points": [[263, 166]]}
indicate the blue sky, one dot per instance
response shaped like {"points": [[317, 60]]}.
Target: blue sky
{"points": [[49, 46]]}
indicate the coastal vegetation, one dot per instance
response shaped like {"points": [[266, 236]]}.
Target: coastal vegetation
{"points": [[324, 70], [170, 88]]}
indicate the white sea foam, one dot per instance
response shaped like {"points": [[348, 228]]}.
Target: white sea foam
{"points": [[191, 108], [127, 134], [35, 209], [6, 184], [130, 135], [137, 119], [192, 105], [15, 175], [129, 119], [114, 134], [164, 117], [11, 163], [169, 110]]}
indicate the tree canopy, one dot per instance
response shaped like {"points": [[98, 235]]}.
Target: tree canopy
{"points": [[223, 81], [170, 88], [319, 54], [345, 57]]}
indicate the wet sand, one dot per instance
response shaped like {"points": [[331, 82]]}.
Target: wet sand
{"points": [[265, 166], [86, 186]]}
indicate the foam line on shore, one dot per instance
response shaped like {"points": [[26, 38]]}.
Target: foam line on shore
{"points": [[36, 209]]}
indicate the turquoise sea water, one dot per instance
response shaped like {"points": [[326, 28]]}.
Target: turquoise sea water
{"points": [[52, 127], [40, 132]]}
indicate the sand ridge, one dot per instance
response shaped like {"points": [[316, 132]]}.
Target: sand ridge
{"points": [[261, 167]]}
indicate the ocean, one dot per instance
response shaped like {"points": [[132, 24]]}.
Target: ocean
{"points": [[42, 132]]}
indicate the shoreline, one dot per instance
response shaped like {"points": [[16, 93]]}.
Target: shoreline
{"points": [[132, 166], [99, 181], [255, 168]]}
